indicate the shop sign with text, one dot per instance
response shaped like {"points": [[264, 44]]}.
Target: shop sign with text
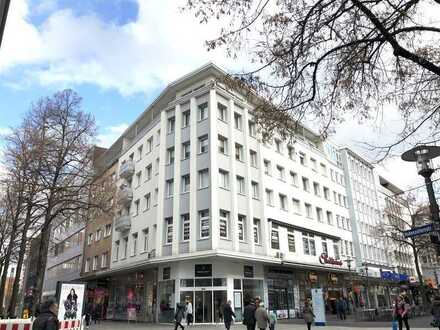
{"points": [[325, 259]]}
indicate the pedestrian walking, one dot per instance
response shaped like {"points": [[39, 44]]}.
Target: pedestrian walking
{"points": [[435, 311], [341, 308], [89, 311], [261, 316], [308, 315], [272, 320], [179, 316], [228, 313], [249, 316], [47, 318], [189, 312], [401, 310]]}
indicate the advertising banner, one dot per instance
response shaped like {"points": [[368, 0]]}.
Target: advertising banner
{"points": [[71, 301], [318, 306]]}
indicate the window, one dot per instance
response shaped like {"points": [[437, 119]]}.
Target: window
{"points": [[108, 229], [253, 157], [134, 238], [203, 144], [204, 223], [296, 206], [275, 237], [252, 129], [186, 150], [136, 207], [185, 227], [241, 227], [302, 158], [116, 255], [169, 188], [147, 201], [98, 235], [223, 221], [148, 172], [131, 156], [241, 189], [203, 111], [138, 178], [185, 183], [90, 239], [203, 178], [255, 190], [95, 263], [329, 218], [222, 145], [326, 193], [139, 152], [168, 230], [156, 196], [186, 119], [222, 112], [323, 169], [308, 210], [280, 171], [294, 179], [291, 241], [238, 121], [314, 164], [309, 244], [306, 184], [150, 144], [239, 152], [317, 189], [104, 260], [283, 202], [171, 124], [269, 197], [324, 246], [336, 250], [335, 197], [223, 179], [145, 234], [319, 215], [257, 231], [338, 222], [278, 146], [125, 241], [157, 138], [267, 167], [291, 152], [170, 156]]}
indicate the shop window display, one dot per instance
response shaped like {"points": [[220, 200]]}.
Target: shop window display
{"points": [[166, 301]]}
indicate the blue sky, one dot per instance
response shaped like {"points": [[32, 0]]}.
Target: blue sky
{"points": [[118, 55]]}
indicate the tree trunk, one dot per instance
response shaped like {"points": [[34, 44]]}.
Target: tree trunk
{"points": [[41, 266], [420, 276], [22, 253]]}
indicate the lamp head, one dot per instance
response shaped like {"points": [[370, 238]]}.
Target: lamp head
{"points": [[422, 156]]}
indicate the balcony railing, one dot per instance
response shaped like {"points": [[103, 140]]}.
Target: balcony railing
{"points": [[126, 169], [122, 223], [125, 196]]}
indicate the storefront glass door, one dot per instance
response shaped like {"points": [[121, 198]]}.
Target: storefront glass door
{"points": [[220, 298], [203, 306]]}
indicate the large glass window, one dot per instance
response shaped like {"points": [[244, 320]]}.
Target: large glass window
{"points": [[275, 238], [204, 223], [223, 222]]}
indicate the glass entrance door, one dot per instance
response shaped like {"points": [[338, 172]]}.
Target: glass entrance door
{"points": [[219, 302], [203, 306]]}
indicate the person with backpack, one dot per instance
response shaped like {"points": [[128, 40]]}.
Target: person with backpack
{"points": [[47, 318]]}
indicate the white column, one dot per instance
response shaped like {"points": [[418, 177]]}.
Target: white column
{"points": [[194, 214], [232, 162], [214, 213], [177, 179], [161, 183], [250, 212]]}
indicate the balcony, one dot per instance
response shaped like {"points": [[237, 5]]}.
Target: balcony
{"points": [[122, 223], [125, 196], [126, 170]]}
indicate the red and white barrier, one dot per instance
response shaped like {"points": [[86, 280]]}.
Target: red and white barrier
{"points": [[26, 324]]}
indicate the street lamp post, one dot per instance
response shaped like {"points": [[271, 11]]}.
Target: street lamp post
{"points": [[366, 285], [422, 156]]}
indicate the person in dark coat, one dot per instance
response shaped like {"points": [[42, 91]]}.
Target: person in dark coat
{"points": [[179, 316], [228, 313], [249, 316], [341, 308], [47, 318]]}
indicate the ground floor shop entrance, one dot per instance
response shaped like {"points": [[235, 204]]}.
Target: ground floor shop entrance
{"points": [[207, 304]]}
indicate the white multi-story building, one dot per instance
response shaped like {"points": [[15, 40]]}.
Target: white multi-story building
{"points": [[208, 212]]}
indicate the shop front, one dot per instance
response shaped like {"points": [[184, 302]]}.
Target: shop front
{"points": [[133, 296], [281, 297]]}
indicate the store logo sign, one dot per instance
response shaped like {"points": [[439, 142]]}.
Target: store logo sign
{"points": [[325, 259]]}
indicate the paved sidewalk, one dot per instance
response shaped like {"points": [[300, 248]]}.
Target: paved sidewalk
{"points": [[421, 323]]}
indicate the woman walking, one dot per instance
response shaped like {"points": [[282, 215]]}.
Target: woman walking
{"points": [[401, 310], [261, 317], [308, 315]]}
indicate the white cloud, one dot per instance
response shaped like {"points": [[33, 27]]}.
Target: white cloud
{"points": [[5, 130], [110, 134], [160, 46]]}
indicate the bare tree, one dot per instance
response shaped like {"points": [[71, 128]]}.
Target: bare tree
{"points": [[326, 60]]}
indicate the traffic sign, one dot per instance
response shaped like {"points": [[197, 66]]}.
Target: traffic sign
{"points": [[422, 230]]}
